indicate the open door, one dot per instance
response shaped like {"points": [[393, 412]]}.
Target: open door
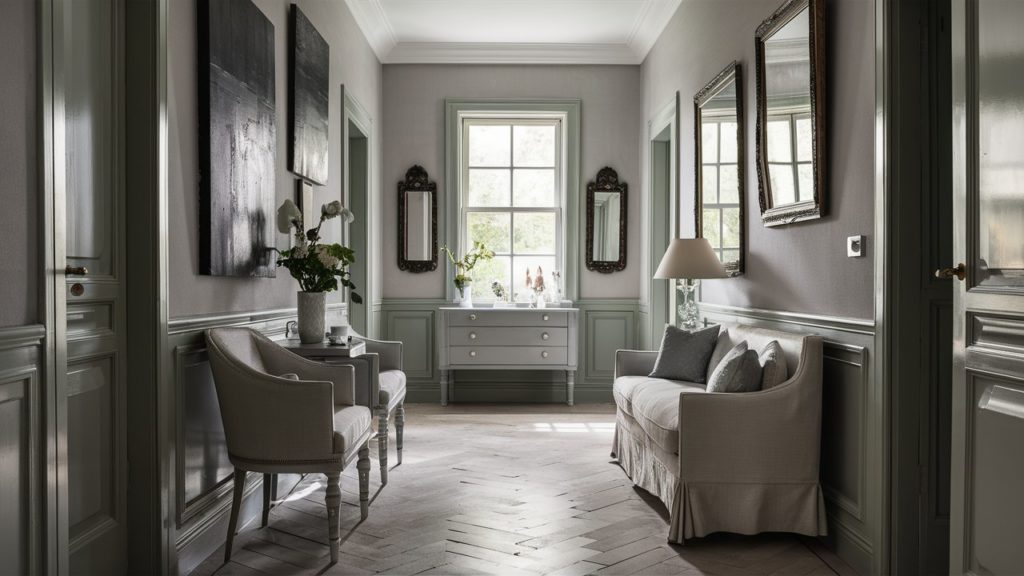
{"points": [[987, 507]]}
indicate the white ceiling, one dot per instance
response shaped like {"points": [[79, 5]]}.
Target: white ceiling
{"points": [[512, 31]]}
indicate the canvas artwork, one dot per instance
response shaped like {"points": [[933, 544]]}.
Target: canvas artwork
{"points": [[237, 139], [308, 74]]}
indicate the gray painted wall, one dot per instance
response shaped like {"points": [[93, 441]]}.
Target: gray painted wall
{"points": [[414, 134], [801, 267], [19, 194], [353, 64]]}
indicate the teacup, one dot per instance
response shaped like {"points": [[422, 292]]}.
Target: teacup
{"points": [[339, 332]]}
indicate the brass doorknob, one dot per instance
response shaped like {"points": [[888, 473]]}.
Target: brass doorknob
{"points": [[959, 272], [76, 270]]}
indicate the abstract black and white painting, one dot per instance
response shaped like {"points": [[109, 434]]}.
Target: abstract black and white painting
{"points": [[237, 139], [308, 79]]}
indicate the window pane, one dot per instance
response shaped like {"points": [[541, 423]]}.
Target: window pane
{"points": [[728, 142], [730, 256], [534, 233], [729, 185], [489, 145], [534, 145], [709, 142], [534, 188], [520, 264], [783, 191], [486, 273], [731, 228], [491, 228], [488, 187], [804, 143], [710, 227], [806, 181], [710, 185], [779, 143]]}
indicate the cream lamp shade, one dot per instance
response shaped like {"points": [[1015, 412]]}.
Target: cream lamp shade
{"points": [[690, 259]]}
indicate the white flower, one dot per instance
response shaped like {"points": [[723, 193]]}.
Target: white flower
{"points": [[331, 209], [287, 216], [300, 252], [326, 259], [347, 216]]}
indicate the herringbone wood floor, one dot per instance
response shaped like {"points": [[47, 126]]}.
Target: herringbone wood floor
{"points": [[506, 490]]}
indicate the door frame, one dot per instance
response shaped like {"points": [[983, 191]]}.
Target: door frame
{"points": [[661, 297], [353, 112]]}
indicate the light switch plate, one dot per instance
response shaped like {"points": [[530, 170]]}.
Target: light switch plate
{"points": [[855, 246]]}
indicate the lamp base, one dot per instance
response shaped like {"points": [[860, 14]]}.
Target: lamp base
{"points": [[687, 308]]}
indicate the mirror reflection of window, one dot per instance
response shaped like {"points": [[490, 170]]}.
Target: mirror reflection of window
{"points": [[721, 217]]}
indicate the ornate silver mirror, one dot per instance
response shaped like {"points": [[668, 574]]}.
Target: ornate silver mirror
{"points": [[606, 223], [791, 155], [417, 222], [719, 203]]}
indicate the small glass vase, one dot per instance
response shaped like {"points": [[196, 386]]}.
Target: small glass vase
{"points": [[687, 307], [312, 309], [466, 297]]}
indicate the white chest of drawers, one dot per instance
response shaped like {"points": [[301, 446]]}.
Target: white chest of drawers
{"points": [[507, 339]]}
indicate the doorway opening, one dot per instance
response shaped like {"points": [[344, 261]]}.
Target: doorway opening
{"points": [[357, 169], [661, 219]]}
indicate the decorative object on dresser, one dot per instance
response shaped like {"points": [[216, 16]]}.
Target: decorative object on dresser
{"points": [[318, 267], [720, 201], [462, 268], [606, 222], [380, 382], [791, 122], [237, 139], [690, 260], [507, 339], [741, 462], [309, 69], [285, 414], [417, 222]]}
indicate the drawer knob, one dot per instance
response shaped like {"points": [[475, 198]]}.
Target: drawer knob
{"points": [[472, 316], [472, 335], [544, 354], [545, 336], [545, 317], [472, 353]]}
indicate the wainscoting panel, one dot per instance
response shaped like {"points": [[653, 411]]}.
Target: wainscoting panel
{"points": [[607, 325], [850, 463], [201, 469], [22, 454]]}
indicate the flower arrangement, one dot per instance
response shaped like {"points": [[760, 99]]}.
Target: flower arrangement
{"points": [[318, 267], [465, 265]]}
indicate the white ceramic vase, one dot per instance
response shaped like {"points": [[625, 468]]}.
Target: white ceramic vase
{"points": [[312, 309], [467, 297]]}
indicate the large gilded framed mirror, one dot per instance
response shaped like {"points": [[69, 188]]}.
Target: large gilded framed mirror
{"points": [[606, 223], [791, 153], [417, 222], [719, 201]]}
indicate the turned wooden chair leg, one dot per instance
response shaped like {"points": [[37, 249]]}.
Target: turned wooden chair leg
{"points": [[382, 444], [333, 511], [268, 487], [236, 503], [363, 466], [399, 429]]}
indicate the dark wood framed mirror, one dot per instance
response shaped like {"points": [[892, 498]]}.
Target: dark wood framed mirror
{"points": [[719, 201], [417, 222], [790, 132], [606, 223]]}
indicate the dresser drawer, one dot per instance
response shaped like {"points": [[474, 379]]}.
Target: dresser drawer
{"points": [[525, 356], [513, 317], [510, 336]]}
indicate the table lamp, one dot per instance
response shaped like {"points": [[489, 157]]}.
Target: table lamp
{"points": [[690, 260]]}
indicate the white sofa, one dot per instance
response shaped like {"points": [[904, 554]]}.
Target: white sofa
{"points": [[741, 462]]}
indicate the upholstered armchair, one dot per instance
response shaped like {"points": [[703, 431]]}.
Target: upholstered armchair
{"points": [[381, 367], [285, 414]]}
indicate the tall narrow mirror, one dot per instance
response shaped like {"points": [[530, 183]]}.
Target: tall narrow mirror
{"points": [[606, 223], [790, 51], [417, 222], [719, 200]]}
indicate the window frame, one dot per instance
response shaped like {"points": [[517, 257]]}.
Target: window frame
{"points": [[791, 117], [719, 206]]}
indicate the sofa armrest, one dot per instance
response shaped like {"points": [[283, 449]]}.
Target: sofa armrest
{"points": [[634, 362], [767, 436]]}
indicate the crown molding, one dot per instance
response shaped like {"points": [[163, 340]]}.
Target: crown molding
{"points": [[373, 21], [509, 53], [649, 25]]}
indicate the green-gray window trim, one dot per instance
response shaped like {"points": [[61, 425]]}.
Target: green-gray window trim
{"points": [[450, 198]]}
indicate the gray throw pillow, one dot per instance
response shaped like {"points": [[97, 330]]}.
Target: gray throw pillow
{"points": [[684, 355], [773, 365], [739, 371]]}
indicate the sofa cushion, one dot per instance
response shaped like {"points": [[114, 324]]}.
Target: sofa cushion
{"points": [[622, 391], [656, 409], [392, 388], [684, 355], [739, 371], [773, 365]]}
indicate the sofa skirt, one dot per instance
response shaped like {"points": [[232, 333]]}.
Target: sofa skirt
{"points": [[701, 508]]}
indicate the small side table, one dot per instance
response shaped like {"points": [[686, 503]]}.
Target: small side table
{"points": [[323, 351]]}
